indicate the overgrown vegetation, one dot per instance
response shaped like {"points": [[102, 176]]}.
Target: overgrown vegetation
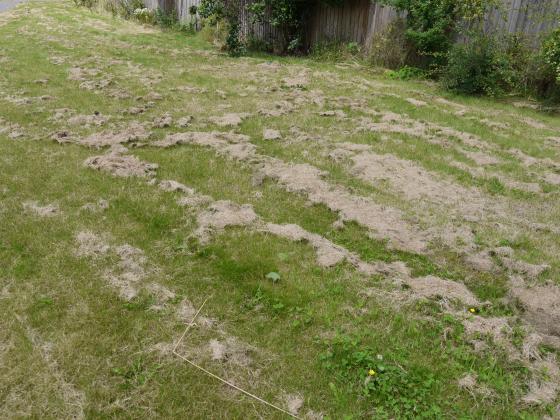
{"points": [[447, 40], [389, 48], [336, 51], [287, 17], [443, 39], [482, 63], [551, 52], [495, 64], [432, 25], [136, 10], [479, 66], [224, 14]]}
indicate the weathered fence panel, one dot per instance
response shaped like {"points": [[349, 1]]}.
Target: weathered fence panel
{"points": [[264, 32], [359, 20], [181, 7], [355, 21], [529, 17]]}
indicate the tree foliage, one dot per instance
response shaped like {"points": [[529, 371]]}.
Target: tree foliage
{"points": [[228, 11], [287, 16], [432, 25], [551, 51]]}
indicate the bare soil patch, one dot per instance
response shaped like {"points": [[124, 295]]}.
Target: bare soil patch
{"points": [[541, 304], [88, 120], [134, 132], [328, 254], [48, 210], [271, 134], [435, 287], [121, 165], [384, 222], [90, 245], [222, 214], [229, 120]]}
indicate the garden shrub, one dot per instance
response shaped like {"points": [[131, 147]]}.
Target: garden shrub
{"points": [[144, 15], [234, 45], [208, 8], [287, 16], [166, 19], [520, 55], [543, 71], [432, 26], [254, 43], [490, 63], [215, 32], [495, 64], [407, 73], [551, 52], [218, 12], [110, 6], [479, 66]]}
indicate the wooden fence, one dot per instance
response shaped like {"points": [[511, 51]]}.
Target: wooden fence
{"points": [[356, 21], [529, 17], [251, 30], [181, 7], [359, 20]]}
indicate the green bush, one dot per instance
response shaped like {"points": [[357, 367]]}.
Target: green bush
{"points": [[542, 72], [542, 82], [144, 15], [208, 8], [407, 73], [432, 25], [257, 44], [166, 19], [234, 45], [220, 12], [214, 31], [287, 16], [479, 66], [551, 51]]}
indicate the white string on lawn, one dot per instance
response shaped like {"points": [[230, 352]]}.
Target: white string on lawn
{"points": [[190, 362]]}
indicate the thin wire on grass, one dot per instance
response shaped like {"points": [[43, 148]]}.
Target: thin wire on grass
{"points": [[190, 362]]}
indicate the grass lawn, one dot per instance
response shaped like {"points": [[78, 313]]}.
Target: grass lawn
{"points": [[366, 247]]}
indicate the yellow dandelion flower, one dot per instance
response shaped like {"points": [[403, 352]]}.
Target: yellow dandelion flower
{"points": [[372, 372], [472, 310]]}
